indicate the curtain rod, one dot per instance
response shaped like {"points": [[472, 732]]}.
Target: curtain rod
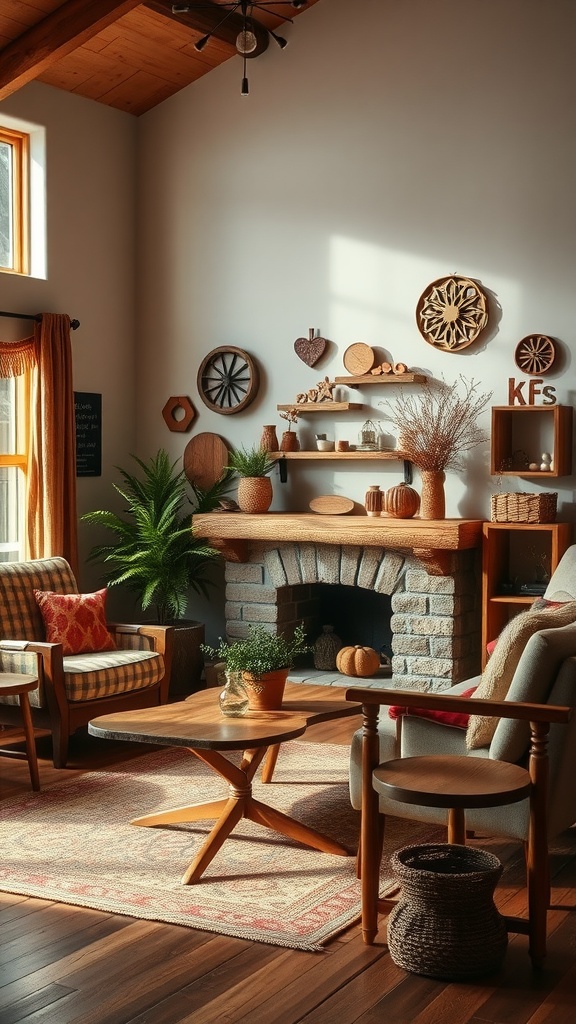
{"points": [[36, 316]]}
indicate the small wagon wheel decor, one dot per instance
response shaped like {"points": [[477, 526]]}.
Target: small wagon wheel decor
{"points": [[228, 380], [451, 313], [535, 354]]}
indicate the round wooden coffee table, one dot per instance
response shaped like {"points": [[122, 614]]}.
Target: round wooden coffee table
{"points": [[198, 724]]}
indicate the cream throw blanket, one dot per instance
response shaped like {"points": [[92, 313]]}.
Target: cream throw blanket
{"points": [[499, 671]]}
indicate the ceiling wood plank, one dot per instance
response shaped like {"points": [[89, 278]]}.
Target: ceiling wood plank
{"points": [[55, 36], [203, 19]]}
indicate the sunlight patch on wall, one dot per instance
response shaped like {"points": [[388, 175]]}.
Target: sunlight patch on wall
{"points": [[375, 292]]}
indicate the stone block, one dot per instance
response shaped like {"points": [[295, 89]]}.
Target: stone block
{"points": [[403, 643], [251, 592], [429, 625], [244, 572], [410, 604], [430, 667], [308, 568], [328, 562], [419, 582], [389, 572], [291, 563], [275, 568], [260, 613], [368, 568], [349, 562]]}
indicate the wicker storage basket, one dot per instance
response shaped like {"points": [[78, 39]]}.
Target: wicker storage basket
{"points": [[446, 924], [524, 508]]}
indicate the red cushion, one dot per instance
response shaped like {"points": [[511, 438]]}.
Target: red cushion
{"points": [[77, 621], [457, 719]]}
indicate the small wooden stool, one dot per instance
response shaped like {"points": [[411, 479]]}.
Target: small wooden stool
{"points": [[20, 685]]}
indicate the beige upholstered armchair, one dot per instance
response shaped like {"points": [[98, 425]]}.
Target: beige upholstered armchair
{"points": [[74, 688]]}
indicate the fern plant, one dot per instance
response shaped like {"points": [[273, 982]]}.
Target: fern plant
{"points": [[250, 462], [156, 554], [261, 651]]}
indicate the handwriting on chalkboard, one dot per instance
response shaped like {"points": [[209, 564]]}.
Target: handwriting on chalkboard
{"points": [[88, 407]]}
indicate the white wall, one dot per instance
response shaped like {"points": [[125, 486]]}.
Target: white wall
{"points": [[90, 267], [388, 145]]}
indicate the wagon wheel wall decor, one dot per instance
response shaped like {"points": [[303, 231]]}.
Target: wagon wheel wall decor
{"points": [[228, 380], [451, 313], [535, 354]]}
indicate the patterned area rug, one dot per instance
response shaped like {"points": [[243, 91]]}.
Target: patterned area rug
{"points": [[73, 843]]}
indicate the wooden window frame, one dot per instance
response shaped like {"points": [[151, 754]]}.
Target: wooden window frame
{"points": [[20, 144]]}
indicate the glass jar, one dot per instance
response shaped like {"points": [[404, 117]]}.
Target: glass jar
{"points": [[234, 699], [367, 436]]}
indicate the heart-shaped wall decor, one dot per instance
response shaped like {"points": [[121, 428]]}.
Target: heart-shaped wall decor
{"points": [[310, 349]]}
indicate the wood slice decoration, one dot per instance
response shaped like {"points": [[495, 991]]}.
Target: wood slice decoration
{"points": [[205, 458], [331, 505], [359, 359], [451, 313], [535, 354], [310, 349]]}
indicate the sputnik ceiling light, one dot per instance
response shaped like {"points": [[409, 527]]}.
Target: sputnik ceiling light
{"points": [[247, 39]]}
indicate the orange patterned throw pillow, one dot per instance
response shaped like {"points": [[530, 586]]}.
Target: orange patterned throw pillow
{"points": [[77, 621]]}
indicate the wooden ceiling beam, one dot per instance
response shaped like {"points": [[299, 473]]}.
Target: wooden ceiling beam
{"points": [[57, 35], [206, 18]]}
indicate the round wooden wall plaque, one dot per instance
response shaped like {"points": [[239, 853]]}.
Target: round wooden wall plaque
{"points": [[359, 359], [451, 313], [535, 354]]}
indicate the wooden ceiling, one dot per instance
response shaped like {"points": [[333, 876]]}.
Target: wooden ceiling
{"points": [[124, 53]]}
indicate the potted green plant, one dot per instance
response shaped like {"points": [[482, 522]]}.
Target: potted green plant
{"points": [[264, 659], [252, 465], [157, 556]]}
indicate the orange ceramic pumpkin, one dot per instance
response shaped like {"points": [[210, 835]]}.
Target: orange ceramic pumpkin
{"points": [[358, 661], [401, 501]]}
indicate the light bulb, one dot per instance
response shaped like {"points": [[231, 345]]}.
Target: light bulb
{"points": [[246, 41]]}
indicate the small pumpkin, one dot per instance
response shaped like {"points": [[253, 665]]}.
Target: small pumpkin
{"points": [[358, 661], [401, 502]]}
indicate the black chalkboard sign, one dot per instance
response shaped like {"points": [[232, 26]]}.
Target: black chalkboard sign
{"points": [[88, 408]]}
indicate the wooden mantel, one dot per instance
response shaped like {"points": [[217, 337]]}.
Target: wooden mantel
{"points": [[429, 539]]}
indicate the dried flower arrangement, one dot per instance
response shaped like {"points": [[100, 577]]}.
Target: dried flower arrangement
{"points": [[291, 415], [439, 424]]}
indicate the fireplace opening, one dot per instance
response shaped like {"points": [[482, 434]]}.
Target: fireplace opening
{"points": [[359, 616]]}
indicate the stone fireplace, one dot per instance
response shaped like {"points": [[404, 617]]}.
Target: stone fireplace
{"points": [[429, 571]]}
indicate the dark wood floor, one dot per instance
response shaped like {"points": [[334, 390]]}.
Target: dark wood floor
{"points": [[66, 965]]}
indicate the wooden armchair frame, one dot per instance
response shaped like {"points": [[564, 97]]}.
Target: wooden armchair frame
{"points": [[540, 716], [63, 717]]}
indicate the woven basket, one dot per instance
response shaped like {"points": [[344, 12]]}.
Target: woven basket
{"points": [[445, 924], [524, 508]]}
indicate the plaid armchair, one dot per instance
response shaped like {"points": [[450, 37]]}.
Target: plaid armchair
{"points": [[75, 688]]}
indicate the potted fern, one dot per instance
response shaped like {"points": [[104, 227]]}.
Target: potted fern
{"points": [[156, 555], [252, 465]]}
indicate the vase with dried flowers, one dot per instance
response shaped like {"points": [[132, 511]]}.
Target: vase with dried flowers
{"points": [[436, 427], [290, 442]]}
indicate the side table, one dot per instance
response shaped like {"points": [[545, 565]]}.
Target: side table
{"points": [[20, 685]]}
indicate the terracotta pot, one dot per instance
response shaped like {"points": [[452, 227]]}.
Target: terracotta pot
{"points": [[265, 692], [432, 501], [255, 494]]}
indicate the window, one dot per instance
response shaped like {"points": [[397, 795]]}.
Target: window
{"points": [[14, 201], [14, 445]]}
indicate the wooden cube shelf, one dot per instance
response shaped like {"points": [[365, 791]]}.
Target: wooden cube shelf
{"points": [[524, 432]]}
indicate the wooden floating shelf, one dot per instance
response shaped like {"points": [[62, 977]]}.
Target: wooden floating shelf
{"points": [[351, 456], [382, 378], [305, 407]]}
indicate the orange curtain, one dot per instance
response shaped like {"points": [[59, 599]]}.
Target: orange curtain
{"points": [[52, 517]]}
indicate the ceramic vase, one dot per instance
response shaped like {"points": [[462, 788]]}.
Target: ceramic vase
{"points": [[265, 692], [290, 442], [326, 648], [373, 500], [432, 500], [269, 439]]}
